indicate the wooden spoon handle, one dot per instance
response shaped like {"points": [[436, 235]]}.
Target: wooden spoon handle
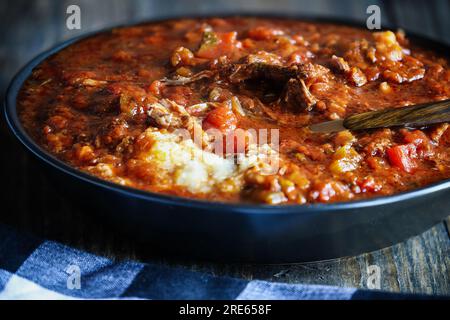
{"points": [[411, 116]]}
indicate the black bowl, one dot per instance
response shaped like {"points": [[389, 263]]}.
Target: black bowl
{"points": [[240, 232]]}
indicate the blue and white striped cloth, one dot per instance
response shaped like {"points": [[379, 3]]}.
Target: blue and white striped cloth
{"points": [[31, 268]]}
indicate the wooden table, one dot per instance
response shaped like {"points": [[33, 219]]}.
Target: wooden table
{"points": [[30, 202]]}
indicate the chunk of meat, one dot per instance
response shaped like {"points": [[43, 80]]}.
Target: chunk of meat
{"points": [[113, 133], [309, 72], [404, 74], [236, 73], [356, 77], [297, 96], [377, 142], [182, 56], [168, 114], [314, 73], [240, 72], [353, 74], [132, 99], [338, 64]]}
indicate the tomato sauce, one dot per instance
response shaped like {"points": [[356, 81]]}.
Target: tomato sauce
{"points": [[109, 105]]}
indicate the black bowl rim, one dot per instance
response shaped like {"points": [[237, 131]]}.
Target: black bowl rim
{"points": [[14, 124]]}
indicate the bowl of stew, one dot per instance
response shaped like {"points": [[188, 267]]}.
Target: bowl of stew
{"points": [[193, 134]]}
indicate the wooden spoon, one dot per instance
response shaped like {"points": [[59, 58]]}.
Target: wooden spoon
{"points": [[420, 115]]}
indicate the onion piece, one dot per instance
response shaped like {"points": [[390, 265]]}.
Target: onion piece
{"points": [[236, 106], [179, 81]]}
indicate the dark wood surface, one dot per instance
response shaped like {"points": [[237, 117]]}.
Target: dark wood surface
{"points": [[31, 203]]}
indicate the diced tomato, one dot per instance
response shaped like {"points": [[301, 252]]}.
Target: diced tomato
{"points": [[401, 157], [248, 43], [155, 87], [217, 44], [228, 38], [415, 137], [374, 163], [221, 118], [264, 33]]}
